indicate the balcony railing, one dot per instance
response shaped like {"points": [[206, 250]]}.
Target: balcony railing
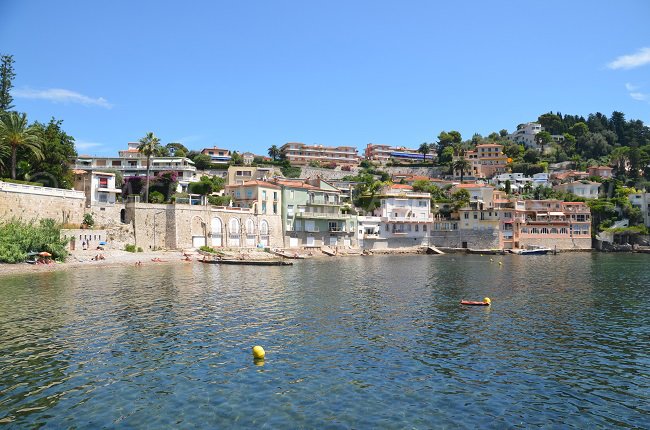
{"points": [[321, 215], [407, 219]]}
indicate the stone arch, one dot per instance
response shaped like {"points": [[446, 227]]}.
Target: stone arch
{"points": [[234, 232], [197, 229], [264, 232], [251, 233], [216, 231]]}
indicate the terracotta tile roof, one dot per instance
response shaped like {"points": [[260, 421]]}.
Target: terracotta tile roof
{"points": [[401, 187], [255, 183], [471, 186], [296, 184]]}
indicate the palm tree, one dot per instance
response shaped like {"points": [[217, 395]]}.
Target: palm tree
{"points": [[15, 133], [462, 164], [148, 147], [274, 152], [424, 149]]}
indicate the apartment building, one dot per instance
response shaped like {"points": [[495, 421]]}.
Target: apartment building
{"points": [[548, 223], [302, 154], [263, 197], [385, 153], [130, 162], [312, 216], [485, 161]]}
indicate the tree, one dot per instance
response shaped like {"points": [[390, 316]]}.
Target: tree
{"points": [[54, 169], [508, 186], [531, 156], [274, 152], [202, 161], [236, 159], [148, 146], [15, 134], [424, 149], [447, 139], [543, 138], [461, 164], [6, 82], [460, 199], [174, 148]]}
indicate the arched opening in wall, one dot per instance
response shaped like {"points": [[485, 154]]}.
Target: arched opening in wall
{"points": [[217, 231], [233, 233], [264, 233], [197, 230], [250, 233], [123, 216]]}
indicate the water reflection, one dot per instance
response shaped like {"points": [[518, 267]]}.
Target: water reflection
{"points": [[359, 342]]}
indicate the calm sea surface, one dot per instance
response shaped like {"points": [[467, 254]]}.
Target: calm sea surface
{"points": [[366, 342]]}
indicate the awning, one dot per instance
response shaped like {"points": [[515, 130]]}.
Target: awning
{"points": [[556, 213]]}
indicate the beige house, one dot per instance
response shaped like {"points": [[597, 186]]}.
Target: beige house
{"points": [[262, 197]]}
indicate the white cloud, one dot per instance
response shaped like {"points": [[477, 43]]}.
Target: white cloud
{"points": [[641, 58], [631, 87], [640, 96], [58, 95], [80, 144]]}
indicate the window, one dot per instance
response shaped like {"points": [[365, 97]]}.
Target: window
{"points": [[103, 182], [466, 215], [424, 227], [263, 194], [417, 227]]}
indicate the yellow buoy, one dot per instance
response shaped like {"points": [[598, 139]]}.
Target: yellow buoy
{"points": [[258, 352], [487, 300]]}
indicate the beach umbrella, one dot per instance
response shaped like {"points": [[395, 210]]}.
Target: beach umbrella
{"points": [[102, 243], [44, 254]]}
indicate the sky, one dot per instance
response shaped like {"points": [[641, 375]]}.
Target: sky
{"points": [[248, 75]]}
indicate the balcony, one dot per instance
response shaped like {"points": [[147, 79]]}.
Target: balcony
{"points": [[407, 219], [321, 215], [323, 201]]}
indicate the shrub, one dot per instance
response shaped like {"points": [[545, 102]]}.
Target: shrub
{"points": [[140, 249], [207, 248], [17, 238], [291, 171], [156, 197], [346, 168], [129, 248], [88, 220]]}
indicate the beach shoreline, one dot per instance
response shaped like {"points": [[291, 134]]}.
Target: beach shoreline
{"points": [[119, 258]]}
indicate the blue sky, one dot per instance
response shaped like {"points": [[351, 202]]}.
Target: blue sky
{"points": [[248, 75]]}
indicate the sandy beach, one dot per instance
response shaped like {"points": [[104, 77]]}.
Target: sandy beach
{"points": [[120, 258]]}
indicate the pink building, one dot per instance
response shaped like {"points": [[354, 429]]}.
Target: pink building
{"points": [[600, 171], [549, 223]]}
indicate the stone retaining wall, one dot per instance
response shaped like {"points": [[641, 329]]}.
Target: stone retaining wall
{"points": [[34, 203]]}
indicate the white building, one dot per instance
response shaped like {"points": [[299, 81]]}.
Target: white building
{"points": [[526, 133], [404, 213], [585, 189], [99, 187], [131, 162], [518, 181], [642, 201]]}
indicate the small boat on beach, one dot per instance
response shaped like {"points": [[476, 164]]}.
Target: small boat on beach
{"points": [[247, 262], [291, 255], [328, 251]]}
